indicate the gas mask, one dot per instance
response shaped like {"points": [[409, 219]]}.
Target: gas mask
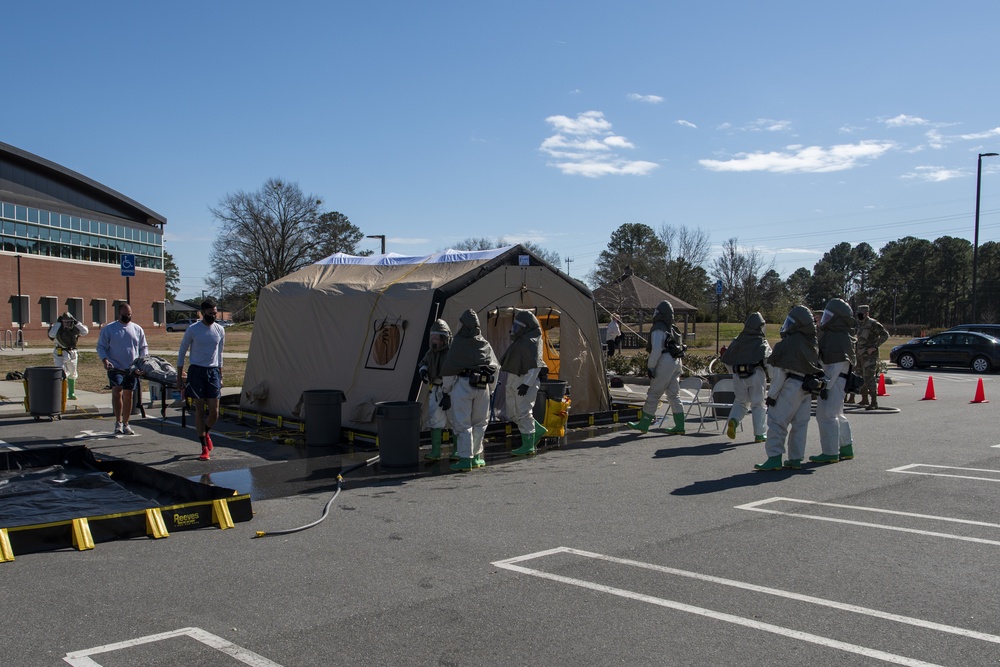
{"points": [[515, 329], [438, 342]]}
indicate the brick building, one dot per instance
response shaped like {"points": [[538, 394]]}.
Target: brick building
{"points": [[62, 237]]}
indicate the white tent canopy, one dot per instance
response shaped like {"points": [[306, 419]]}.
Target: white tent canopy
{"points": [[360, 325]]}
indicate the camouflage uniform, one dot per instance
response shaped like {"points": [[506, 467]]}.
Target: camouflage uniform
{"points": [[871, 334]]}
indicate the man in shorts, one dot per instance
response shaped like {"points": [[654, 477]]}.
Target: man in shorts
{"points": [[120, 343], [206, 340]]}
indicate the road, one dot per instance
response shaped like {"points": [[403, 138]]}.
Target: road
{"points": [[621, 549]]}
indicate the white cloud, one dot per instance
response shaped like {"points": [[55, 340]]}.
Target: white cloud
{"points": [[935, 174], [401, 240], [995, 132], [902, 120], [768, 125], [649, 99], [799, 159], [686, 123], [586, 146]]}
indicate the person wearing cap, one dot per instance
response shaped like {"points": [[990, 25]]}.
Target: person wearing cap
{"points": [[871, 335], [439, 340], [66, 332]]}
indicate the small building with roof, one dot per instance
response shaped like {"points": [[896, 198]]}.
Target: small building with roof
{"points": [[635, 299]]}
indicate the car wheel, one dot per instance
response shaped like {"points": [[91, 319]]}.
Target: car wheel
{"points": [[170, 329], [907, 362], [981, 365]]}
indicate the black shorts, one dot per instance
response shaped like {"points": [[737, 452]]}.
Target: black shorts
{"points": [[204, 382], [123, 379]]}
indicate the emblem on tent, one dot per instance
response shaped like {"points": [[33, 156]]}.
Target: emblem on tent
{"points": [[386, 343]]}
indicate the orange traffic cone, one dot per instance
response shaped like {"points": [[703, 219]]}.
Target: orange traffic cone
{"points": [[929, 394], [881, 385], [980, 394]]}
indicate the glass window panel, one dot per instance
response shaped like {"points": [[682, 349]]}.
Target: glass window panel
{"points": [[21, 230], [104, 228], [74, 238], [66, 237], [43, 217], [21, 212], [32, 247], [8, 211], [8, 227], [74, 223], [8, 244], [43, 233], [22, 245], [84, 225], [32, 232], [64, 221], [32, 215]]}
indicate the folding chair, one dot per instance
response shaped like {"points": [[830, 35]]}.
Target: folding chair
{"points": [[690, 395], [721, 404]]}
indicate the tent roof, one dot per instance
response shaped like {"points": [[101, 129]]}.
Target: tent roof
{"points": [[630, 292]]}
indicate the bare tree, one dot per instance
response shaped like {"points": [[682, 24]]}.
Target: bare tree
{"points": [[483, 243], [265, 234], [741, 270]]}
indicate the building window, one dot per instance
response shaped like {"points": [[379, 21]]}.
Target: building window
{"points": [[98, 312], [75, 307], [159, 313], [18, 309], [50, 314]]}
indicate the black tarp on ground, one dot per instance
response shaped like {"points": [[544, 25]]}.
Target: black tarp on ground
{"points": [[42, 491]]}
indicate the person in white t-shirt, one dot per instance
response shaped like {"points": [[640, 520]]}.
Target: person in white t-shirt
{"points": [[203, 382]]}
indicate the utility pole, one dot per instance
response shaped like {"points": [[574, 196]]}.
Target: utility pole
{"points": [[568, 260]]}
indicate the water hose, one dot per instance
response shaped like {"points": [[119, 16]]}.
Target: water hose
{"points": [[326, 508]]}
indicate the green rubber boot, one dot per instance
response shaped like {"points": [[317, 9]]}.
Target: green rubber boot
{"points": [[527, 447], [678, 428], [760, 438], [435, 453], [825, 458], [731, 429], [479, 461], [772, 463], [643, 424], [454, 448], [71, 394], [793, 464], [847, 452], [540, 432], [463, 465]]}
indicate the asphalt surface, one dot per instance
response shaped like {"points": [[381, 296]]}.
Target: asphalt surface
{"points": [[619, 549]]}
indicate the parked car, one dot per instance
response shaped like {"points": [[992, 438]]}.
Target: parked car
{"points": [[962, 349], [181, 325], [988, 329], [226, 323]]}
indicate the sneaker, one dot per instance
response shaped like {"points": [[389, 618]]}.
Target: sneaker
{"points": [[118, 428], [127, 430], [208, 441]]}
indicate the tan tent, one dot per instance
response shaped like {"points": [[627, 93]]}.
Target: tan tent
{"points": [[360, 325]]}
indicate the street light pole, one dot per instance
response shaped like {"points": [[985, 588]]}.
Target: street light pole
{"points": [[975, 242], [379, 236]]}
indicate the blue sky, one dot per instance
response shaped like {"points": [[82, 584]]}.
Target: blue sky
{"points": [[792, 126]]}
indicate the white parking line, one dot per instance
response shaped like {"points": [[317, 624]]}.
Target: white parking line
{"points": [[513, 565], [82, 658], [756, 507], [908, 469]]}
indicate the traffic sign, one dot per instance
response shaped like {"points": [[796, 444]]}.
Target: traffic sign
{"points": [[128, 266], [718, 287]]}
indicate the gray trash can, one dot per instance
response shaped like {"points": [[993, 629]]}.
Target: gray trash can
{"points": [[398, 433], [44, 390], [553, 390], [322, 408]]}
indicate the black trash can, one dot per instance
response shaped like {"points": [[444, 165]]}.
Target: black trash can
{"points": [[44, 390], [549, 390], [322, 408], [398, 433]]}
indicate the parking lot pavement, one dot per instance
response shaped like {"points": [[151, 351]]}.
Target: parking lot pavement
{"points": [[620, 549]]}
